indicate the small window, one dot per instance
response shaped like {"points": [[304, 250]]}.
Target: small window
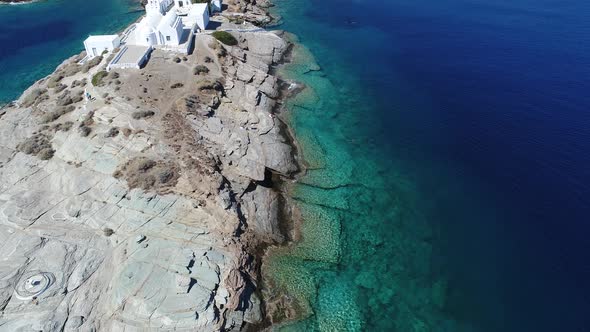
{"points": [[167, 38]]}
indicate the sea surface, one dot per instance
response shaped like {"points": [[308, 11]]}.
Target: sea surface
{"points": [[36, 37], [448, 146], [448, 152]]}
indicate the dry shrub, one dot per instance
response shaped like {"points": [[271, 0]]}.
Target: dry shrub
{"points": [[54, 80], [176, 85], [66, 126], [68, 98], [200, 69], [37, 145], [209, 85], [97, 79], [108, 231], [112, 132], [59, 88], [73, 67], [77, 83], [142, 114], [88, 119], [84, 131], [54, 115], [46, 154], [148, 174], [92, 63], [33, 97]]}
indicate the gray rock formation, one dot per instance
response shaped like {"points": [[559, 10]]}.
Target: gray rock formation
{"points": [[114, 219]]}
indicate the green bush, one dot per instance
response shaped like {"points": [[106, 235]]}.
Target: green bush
{"points": [[97, 78], [225, 37]]}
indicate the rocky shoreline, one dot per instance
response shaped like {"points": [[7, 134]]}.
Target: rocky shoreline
{"points": [[150, 204]]}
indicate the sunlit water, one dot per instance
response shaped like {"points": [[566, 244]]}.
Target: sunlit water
{"points": [[448, 146]]}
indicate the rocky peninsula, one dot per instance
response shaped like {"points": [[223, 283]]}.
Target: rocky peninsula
{"points": [[139, 199]]}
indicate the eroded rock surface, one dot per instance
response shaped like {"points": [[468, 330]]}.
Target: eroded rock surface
{"points": [[143, 213]]}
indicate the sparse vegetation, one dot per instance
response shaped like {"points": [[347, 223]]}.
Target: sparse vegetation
{"points": [[59, 88], [148, 174], [33, 97], [77, 83], [88, 119], [221, 51], [46, 154], [37, 145], [73, 67], [144, 165], [92, 63], [176, 85], [208, 59], [112, 132], [98, 77], [53, 81], [68, 98], [201, 69], [66, 126], [54, 115], [236, 19], [84, 131], [225, 37], [108, 232], [208, 85], [142, 114], [165, 175]]}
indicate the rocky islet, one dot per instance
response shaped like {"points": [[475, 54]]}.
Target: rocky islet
{"points": [[142, 207]]}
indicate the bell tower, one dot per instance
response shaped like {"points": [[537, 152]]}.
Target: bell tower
{"points": [[152, 6]]}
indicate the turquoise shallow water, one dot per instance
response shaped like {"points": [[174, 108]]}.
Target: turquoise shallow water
{"points": [[37, 37], [365, 261], [448, 148]]}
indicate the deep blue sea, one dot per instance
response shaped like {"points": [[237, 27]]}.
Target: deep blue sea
{"points": [[36, 37], [459, 131], [449, 151]]}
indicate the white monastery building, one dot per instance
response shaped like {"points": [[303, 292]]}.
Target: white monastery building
{"points": [[168, 25], [199, 14], [166, 22], [96, 45]]}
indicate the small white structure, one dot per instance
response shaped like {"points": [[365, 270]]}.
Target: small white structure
{"points": [[168, 25], [158, 6], [146, 33], [216, 5], [199, 13], [170, 29], [96, 45], [130, 56]]}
